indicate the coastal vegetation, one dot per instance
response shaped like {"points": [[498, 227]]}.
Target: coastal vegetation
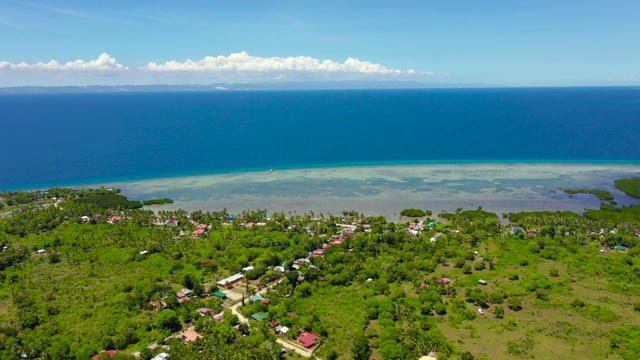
{"points": [[88, 273], [413, 213], [602, 195], [630, 186], [157, 201]]}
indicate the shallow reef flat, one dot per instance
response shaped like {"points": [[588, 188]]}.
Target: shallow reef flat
{"points": [[385, 190]]}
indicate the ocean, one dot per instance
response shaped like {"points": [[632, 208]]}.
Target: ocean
{"points": [[94, 138]]}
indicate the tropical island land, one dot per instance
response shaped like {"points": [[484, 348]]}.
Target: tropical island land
{"points": [[90, 273]]}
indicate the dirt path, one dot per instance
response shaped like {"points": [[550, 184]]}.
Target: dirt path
{"points": [[284, 343]]}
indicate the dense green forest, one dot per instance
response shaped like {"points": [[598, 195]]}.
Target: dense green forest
{"points": [[76, 282]]}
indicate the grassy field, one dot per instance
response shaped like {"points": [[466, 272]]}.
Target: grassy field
{"points": [[545, 329]]}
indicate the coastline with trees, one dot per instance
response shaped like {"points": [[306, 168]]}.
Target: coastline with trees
{"points": [[364, 285]]}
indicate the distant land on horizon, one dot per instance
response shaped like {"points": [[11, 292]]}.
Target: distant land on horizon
{"points": [[290, 85]]}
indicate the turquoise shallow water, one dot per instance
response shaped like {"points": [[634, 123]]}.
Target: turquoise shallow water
{"points": [[73, 139], [385, 190]]}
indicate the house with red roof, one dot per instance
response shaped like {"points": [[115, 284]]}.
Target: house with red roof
{"points": [[443, 280], [197, 232], [190, 336], [307, 339], [106, 354], [318, 252], [113, 219]]}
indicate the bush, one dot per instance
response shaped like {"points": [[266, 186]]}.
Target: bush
{"points": [[496, 297], [524, 262], [499, 311], [577, 303], [466, 356], [554, 272], [440, 309], [480, 265], [466, 268], [513, 275], [514, 303], [512, 348], [636, 306]]}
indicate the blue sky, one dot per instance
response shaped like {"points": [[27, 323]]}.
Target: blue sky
{"points": [[501, 42]]}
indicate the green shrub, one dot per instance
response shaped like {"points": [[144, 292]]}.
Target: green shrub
{"points": [[513, 275], [514, 303]]}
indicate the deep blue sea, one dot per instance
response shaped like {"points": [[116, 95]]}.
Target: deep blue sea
{"points": [[67, 139]]}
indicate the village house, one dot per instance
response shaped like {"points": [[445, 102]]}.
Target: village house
{"points": [[219, 317], [443, 281], [301, 261], [113, 219], [259, 316], [203, 311], [200, 229], [161, 356], [105, 354], [191, 336], [317, 252], [220, 294], [307, 339], [230, 281]]}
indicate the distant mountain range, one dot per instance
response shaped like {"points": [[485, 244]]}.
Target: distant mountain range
{"points": [[320, 85]]}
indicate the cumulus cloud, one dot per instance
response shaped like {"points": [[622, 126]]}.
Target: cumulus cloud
{"points": [[104, 63], [245, 63]]}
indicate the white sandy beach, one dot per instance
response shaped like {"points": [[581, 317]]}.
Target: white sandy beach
{"points": [[385, 190]]}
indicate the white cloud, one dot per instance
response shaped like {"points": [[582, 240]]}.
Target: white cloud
{"points": [[104, 63], [245, 63]]}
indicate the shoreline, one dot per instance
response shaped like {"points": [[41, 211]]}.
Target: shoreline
{"points": [[385, 190]]}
